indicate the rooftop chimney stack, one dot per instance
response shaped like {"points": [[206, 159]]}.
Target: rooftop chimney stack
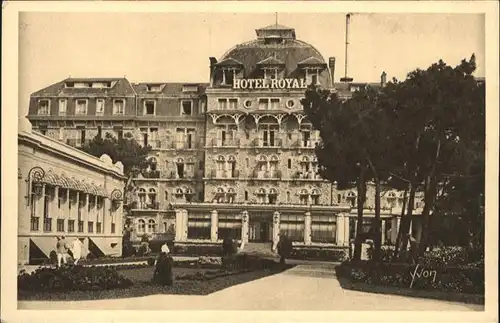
{"points": [[331, 64], [383, 79], [213, 61], [346, 78]]}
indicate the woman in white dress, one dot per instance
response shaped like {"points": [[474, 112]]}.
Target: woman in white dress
{"points": [[76, 249]]}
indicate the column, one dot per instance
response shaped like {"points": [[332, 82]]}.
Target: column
{"points": [[86, 213], [395, 222], [347, 231], [382, 229], [77, 219], [276, 230], [244, 226], [307, 228], [341, 229], [214, 226], [184, 224], [54, 210], [178, 225]]}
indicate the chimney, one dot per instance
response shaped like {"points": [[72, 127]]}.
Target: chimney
{"points": [[331, 64], [383, 79], [346, 78], [213, 61]]}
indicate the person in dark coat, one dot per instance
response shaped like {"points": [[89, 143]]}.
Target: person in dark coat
{"points": [[163, 270]]}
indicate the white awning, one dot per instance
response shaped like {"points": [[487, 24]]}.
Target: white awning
{"points": [[45, 244], [104, 244]]}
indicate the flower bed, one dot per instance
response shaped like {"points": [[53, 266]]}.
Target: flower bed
{"points": [[458, 279], [70, 278], [326, 254]]}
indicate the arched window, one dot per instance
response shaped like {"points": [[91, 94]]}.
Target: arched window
{"points": [[261, 191], [220, 190], [231, 159], [179, 191], [151, 226], [179, 161], [274, 159], [221, 159], [141, 226], [273, 191], [315, 196], [314, 159], [262, 159], [190, 160], [351, 197], [314, 191], [152, 196], [142, 196], [231, 190], [305, 159], [273, 196], [303, 192], [304, 196]]}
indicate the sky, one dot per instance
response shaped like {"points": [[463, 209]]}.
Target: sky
{"points": [[176, 47]]}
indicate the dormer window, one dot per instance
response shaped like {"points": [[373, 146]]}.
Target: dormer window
{"points": [[81, 106], [82, 85], [149, 107], [190, 88], [43, 107], [101, 85], [186, 108], [154, 87], [118, 106], [312, 76]]}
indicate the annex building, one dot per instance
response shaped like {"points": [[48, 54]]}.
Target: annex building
{"points": [[230, 157], [66, 192]]}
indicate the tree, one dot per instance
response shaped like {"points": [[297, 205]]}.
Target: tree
{"points": [[126, 150]]}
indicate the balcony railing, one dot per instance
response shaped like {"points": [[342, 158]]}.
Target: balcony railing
{"points": [[269, 174], [151, 174], [307, 143], [232, 143], [261, 143], [307, 175], [77, 142], [184, 145], [140, 205], [175, 175], [224, 174]]}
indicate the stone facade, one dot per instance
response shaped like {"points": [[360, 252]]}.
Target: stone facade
{"points": [[65, 192]]}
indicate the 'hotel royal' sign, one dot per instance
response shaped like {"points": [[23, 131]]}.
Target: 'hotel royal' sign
{"points": [[245, 84]]}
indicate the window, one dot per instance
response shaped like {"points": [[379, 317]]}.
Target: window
{"points": [[98, 228], [141, 226], [63, 104], [60, 225], [273, 196], [43, 107], [323, 228], [288, 197], [119, 106], [266, 103], [229, 226], [90, 225], [81, 106], [149, 107], [80, 226], [186, 108], [99, 107], [99, 132], [263, 104], [292, 226], [71, 225], [248, 103], [34, 223], [222, 104], [290, 103], [154, 87], [119, 132], [275, 104], [289, 163], [199, 226], [151, 226], [47, 225], [113, 227], [81, 133]]}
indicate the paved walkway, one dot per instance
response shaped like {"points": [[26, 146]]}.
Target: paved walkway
{"points": [[308, 286]]}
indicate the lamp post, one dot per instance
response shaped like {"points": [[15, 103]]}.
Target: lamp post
{"points": [[35, 177]]}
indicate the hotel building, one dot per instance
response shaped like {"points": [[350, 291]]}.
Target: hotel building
{"points": [[66, 192], [231, 157]]}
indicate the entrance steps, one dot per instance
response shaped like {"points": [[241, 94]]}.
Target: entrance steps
{"points": [[259, 249]]}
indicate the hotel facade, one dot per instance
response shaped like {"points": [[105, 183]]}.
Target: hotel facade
{"points": [[66, 192], [230, 157]]}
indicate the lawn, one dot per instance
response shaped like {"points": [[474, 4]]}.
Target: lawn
{"points": [[143, 286]]}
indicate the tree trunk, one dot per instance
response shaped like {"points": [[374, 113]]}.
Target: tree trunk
{"points": [[361, 188], [376, 227], [406, 221], [399, 236]]}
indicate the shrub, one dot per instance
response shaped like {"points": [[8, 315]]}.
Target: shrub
{"points": [[464, 279], [69, 278], [198, 250], [327, 254]]}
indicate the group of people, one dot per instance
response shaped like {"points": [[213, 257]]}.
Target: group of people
{"points": [[63, 247]]}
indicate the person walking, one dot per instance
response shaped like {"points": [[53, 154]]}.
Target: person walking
{"points": [[62, 251], [76, 249]]}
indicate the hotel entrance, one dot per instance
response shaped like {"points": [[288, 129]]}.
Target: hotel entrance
{"points": [[260, 228]]}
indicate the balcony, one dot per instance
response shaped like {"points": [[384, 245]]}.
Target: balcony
{"points": [[184, 145], [77, 142], [140, 205], [224, 174], [176, 176], [227, 143], [261, 143], [307, 144], [151, 174], [310, 175], [267, 175]]}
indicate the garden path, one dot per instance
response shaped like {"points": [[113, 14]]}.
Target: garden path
{"points": [[308, 286]]}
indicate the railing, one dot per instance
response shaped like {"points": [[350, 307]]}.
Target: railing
{"points": [[77, 142], [224, 143], [184, 145], [147, 206], [174, 175], [151, 174], [269, 174], [307, 143], [307, 175], [275, 143], [224, 173]]}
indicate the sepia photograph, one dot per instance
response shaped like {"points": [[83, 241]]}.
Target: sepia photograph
{"points": [[253, 160]]}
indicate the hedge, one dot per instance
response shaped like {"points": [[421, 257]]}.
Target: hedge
{"points": [[327, 254], [463, 279], [70, 278]]}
